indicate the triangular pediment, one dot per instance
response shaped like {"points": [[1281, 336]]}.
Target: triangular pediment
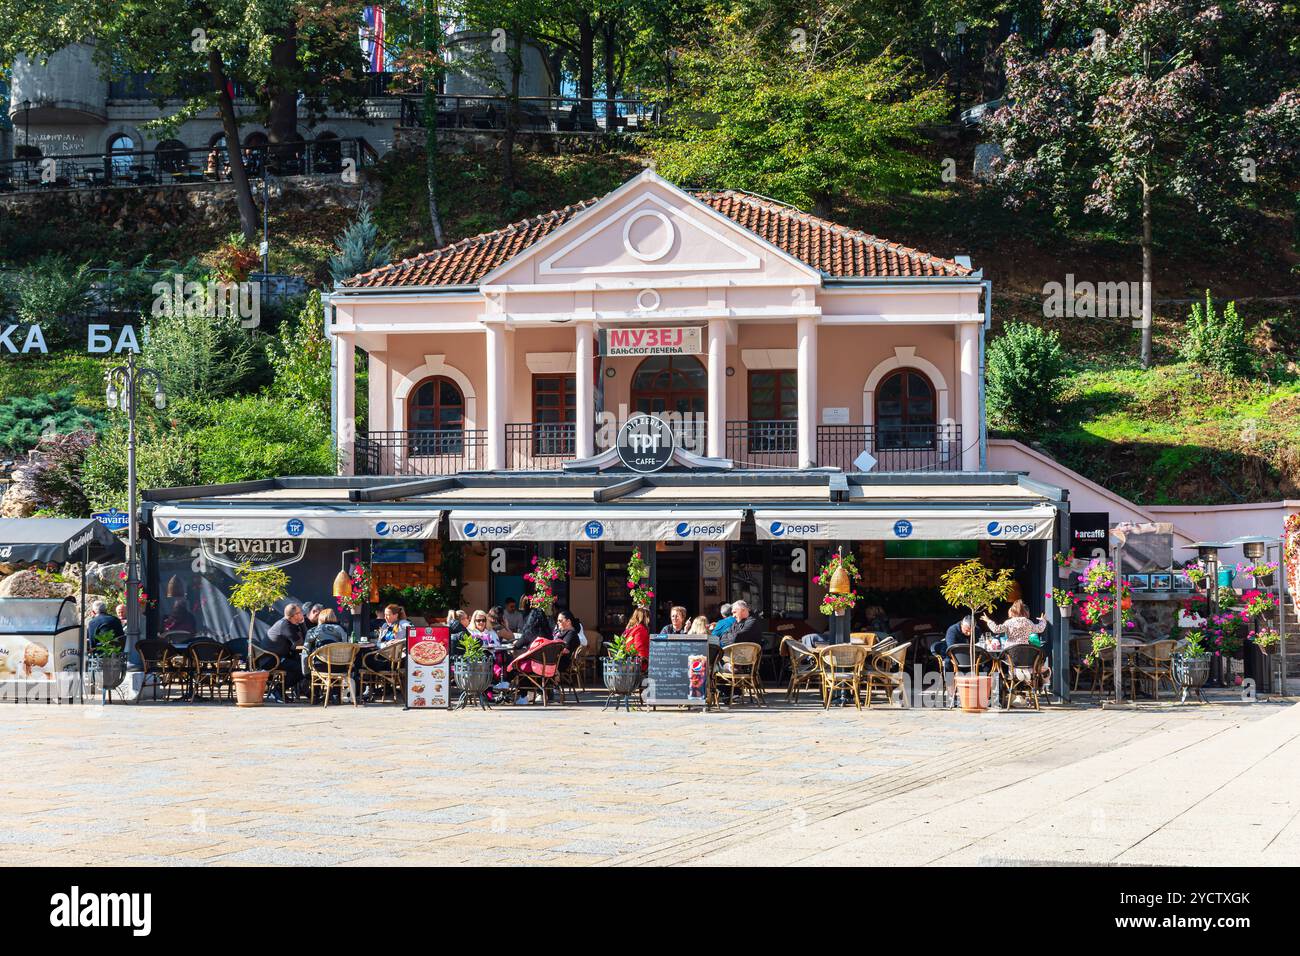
{"points": [[644, 229]]}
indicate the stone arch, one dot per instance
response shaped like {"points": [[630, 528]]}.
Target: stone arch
{"points": [[905, 357], [434, 365]]}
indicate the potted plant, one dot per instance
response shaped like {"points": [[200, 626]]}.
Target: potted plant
{"points": [[1265, 638], [108, 660], [1192, 663], [1196, 574], [1261, 571], [473, 669], [638, 583], [972, 586], [543, 577], [1063, 599], [259, 589], [838, 575], [622, 667], [1102, 641]]}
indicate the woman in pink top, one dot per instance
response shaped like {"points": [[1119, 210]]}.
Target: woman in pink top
{"points": [[1018, 625]]}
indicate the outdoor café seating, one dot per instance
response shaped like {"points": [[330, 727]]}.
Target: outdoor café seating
{"points": [[1154, 665], [153, 664], [214, 669], [1023, 673], [805, 668], [959, 663], [571, 677], [270, 662], [381, 671], [842, 667], [329, 668], [537, 670], [885, 672], [736, 669]]}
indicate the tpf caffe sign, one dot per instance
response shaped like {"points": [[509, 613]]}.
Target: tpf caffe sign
{"points": [[645, 443], [651, 340]]}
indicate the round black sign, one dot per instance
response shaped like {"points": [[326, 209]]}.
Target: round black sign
{"points": [[645, 443]]}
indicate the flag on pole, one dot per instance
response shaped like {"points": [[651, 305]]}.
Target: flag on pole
{"points": [[372, 39]]}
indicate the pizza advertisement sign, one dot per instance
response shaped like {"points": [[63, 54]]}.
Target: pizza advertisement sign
{"points": [[428, 668]]}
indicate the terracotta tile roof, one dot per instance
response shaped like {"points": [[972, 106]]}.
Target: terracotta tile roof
{"points": [[832, 249]]}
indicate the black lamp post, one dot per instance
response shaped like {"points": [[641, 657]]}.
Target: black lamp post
{"points": [[122, 389]]}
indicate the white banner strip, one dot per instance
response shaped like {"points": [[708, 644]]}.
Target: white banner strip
{"points": [[604, 525], [1010, 524], [311, 523]]}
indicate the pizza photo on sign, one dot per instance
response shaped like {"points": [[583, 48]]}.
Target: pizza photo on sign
{"points": [[428, 653]]}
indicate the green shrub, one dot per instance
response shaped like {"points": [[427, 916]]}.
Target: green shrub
{"points": [[54, 294], [57, 476], [1024, 369], [24, 420], [300, 359], [1215, 340], [201, 357], [358, 248], [259, 437], [166, 457]]}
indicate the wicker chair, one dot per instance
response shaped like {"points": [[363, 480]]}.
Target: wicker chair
{"points": [[153, 663], [179, 669], [214, 668], [1154, 664], [805, 671], [1023, 674], [269, 661], [543, 673], [841, 669], [381, 670], [1080, 648], [887, 670], [571, 677], [737, 668], [959, 661], [330, 666]]}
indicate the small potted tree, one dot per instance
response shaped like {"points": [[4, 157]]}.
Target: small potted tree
{"points": [[1192, 663], [259, 589], [107, 660], [974, 587]]}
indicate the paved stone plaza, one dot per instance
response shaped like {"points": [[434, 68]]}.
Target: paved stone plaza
{"points": [[167, 784]]}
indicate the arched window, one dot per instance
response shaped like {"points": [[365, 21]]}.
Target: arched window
{"points": [[435, 415], [676, 387], [172, 155], [905, 411], [120, 148]]}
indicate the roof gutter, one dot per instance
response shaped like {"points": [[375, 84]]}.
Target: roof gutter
{"points": [[984, 328], [974, 278], [366, 292]]}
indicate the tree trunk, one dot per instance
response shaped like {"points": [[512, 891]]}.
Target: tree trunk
{"points": [[238, 174], [1147, 287], [432, 81], [282, 122], [512, 113], [609, 34], [586, 64]]}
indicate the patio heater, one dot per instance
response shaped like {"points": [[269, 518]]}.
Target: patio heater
{"points": [[1208, 553], [1258, 549]]}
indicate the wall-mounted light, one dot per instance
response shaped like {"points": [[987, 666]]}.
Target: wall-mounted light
{"points": [[610, 373], [730, 371]]}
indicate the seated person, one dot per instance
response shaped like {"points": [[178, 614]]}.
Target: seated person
{"points": [[394, 625], [328, 631], [480, 627], [725, 623], [957, 634], [746, 629], [536, 626], [180, 618], [567, 632], [1018, 626], [458, 623], [107, 624], [677, 622]]}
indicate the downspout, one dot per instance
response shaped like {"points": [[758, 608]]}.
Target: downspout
{"points": [[987, 285], [327, 310]]}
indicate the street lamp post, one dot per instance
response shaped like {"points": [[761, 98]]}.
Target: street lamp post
{"points": [[122, 390], [1208, 552]]}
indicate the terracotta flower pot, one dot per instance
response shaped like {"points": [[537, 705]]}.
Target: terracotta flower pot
{"points": [[974, 692], [250, 688]]}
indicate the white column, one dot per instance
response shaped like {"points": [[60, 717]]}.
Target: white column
{"points": [[716, 446], [345, 407], [496, 395], [970, 397], [807, 384], [584, 335]]}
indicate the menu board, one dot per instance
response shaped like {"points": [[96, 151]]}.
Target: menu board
{"points": [[679, 670], [428, 667]]}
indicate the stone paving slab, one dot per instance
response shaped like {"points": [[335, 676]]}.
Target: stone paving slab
{"points": [[211, 784]]}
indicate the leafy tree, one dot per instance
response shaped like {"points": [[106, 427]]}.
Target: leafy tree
{"points": [[166, 457], [1024, 369], [56, 474], [24, 421], [799, 123], [357, 247], [1172, 98], [300, 359], [1217, 340], [200, 356], [255, 436], [54, 293]]}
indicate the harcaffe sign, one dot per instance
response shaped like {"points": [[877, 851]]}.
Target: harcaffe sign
{"points": [[673, 340]]}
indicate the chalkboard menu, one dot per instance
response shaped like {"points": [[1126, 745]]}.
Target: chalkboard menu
{"points": [[679, 670]]}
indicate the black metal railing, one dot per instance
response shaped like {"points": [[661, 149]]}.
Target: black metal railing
{"points": [[763, 444], [430, 451], [540, 446], [534, 114], [173, 165], [894, 447]]}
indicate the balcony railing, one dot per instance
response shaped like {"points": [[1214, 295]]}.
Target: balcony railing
{"points": [[763, 444], [895, 447], [546, 446], [540, 446], [172, 165], [431, 451], [534, 114]]}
